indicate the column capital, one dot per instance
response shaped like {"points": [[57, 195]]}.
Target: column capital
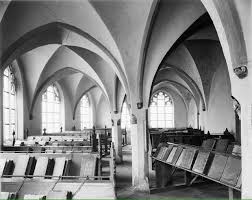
{"points": [[116, 119], [241, 71], [116, 116], [139, 105]]}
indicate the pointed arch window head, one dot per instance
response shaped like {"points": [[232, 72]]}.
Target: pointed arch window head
{"points": [[85, 113], [51, 112], [161, 111], [9, 104]]}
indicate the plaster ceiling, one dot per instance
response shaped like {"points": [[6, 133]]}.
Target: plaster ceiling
{"points": [[100, 40]]}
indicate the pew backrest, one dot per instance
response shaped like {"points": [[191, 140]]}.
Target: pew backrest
{"points": [[41, 167]]}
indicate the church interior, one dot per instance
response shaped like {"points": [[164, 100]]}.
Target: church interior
{"points": [[106, 99]]}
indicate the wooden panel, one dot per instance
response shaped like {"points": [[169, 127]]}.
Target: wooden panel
{"points": [[31, 166], [171, 155], [41, 167], [217, 166], [232, 171], [71, 187], [67, 167], [10, 186], [88, 166], [202, 162], [221, 145], [50, 167], [179, 161], [177, 154], [167, 152], [36, 188], [208, 144], [2, 165], [187, 157], [59, 166], [9, 167], [163, 153], [21, 165], [160, 153]]}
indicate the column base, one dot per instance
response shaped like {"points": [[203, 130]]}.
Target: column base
{"points": [[118, 160], [141, 185]]}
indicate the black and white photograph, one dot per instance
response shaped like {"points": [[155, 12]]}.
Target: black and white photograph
{"points": [[125, 99]]}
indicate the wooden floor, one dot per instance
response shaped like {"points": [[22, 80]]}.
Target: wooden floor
{"points": [[124, 189]]}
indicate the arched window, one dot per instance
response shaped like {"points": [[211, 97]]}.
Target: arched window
{"points": [[161, 111], [125, 117], [9, 104], [51, 115], [85, 113]]}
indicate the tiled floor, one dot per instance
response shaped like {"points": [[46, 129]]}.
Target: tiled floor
{"points": [[124, 189]]}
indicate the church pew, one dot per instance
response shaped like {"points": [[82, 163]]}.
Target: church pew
{"points": [[63, 189], [48, 149], [221, 168], [100, 140], [94, 184], [43, 158]]}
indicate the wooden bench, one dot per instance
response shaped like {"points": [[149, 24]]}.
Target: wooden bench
{"points": [[90, 140], [73, 175], [222, 168], [62, 189], [75, 160]]}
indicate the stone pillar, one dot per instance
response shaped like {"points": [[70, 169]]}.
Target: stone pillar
{"points": [[246, 144], [244, 95], [1, 110], [242, 88], [139, 150], [117, 137]]}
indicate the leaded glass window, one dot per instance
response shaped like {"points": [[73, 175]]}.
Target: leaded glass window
{"points": [[161, 111]]}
